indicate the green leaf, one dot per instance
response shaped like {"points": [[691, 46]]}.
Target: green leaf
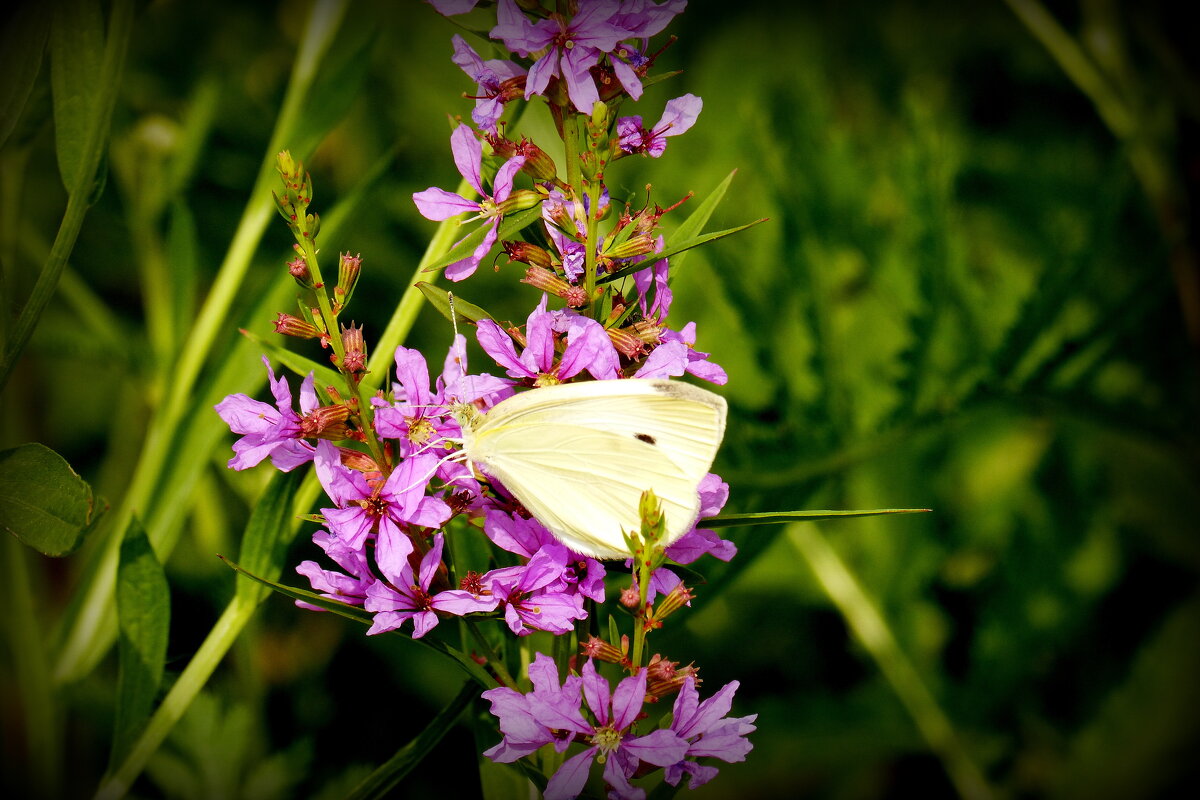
{"points": [[22, 44], [464, 312], [143, 618], [301, 365], [42, 501], [510, 226], [268, 533], [381, 782], [76, 58], [780, 517], [696, 221], [671, 250], [356, 613]]}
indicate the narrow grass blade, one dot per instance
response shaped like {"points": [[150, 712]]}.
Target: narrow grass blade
{"points": [[781, 517]]}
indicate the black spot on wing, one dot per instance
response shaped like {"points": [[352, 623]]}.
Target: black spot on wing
{"points": [[645, 437]]}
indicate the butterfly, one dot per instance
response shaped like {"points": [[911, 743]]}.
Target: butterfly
{"points": [[579, 456]]}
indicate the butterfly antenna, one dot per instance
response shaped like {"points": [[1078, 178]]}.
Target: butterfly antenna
{"points": [[455, 456]]}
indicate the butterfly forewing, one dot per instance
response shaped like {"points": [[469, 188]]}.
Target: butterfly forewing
{"points": [[579, 456]]}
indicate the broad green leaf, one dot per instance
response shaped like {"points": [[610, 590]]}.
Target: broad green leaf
{"points": [[509, 227], [380, 783], [358, 614], [464, 312], [22, 45], [268, 533], [780, 517], [42, 501], [143, 619], [671, 250], [76, 58]]}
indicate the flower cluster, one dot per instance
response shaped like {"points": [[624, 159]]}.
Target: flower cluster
{"points": [[398, 491]]}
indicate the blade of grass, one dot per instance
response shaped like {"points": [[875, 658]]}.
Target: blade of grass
{"points": [[781, 517], [89, 625], [872, 630]]}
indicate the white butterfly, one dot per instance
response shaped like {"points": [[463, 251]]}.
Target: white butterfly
{"points": [[579, 455]]}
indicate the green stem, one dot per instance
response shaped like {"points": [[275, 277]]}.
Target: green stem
{"points": [[26, 642], [120, 29], [639, 619], [177, 701], [494, 660]]}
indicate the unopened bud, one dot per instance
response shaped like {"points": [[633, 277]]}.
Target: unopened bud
{"points": [[665, 677], [647, 331], [349, 268], [527, 253], [538, 163], [635, 246], [597, 648], [547, 281], [358, 461], [326, 422], [678, 597], [630, 597], [520, 200], [627, 342], [298, 269], [355, 361], [288, 325]]}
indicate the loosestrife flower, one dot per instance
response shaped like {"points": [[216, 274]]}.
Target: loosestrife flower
{"points": [[572, 47], [497, 82], [439, 204], [588, 347], [547, 716], [398, 479], [269, 431], [679, 115]]}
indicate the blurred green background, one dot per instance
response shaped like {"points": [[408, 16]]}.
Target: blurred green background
{"points": [[967, 298]]}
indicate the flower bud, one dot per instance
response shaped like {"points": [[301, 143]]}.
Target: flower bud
{"points": [[298, 269], [527, 253], [355, 361], [597, 648], [326, 422], [547, 281], [679, 597], [520, 200], [349, 268], [288, 325], [627, 342]]}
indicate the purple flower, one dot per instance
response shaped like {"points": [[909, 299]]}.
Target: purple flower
{"points": [[676, 355], [527, 537], [708, 733], [419, 416], [679, 115], [656, 278], [267, 430], [572, 47], [363, 510], [490, 76], [530, 598], [588, 347], [548, 714], [439, 204], [450, 8], [401, 598], [332, 585], [696, 542], [641, 19], [614, 712]]}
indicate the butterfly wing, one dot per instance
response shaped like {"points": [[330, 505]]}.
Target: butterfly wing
{"points": [[579, 456]]}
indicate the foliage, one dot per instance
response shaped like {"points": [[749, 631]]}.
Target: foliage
{"points": [[965, 299]]}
